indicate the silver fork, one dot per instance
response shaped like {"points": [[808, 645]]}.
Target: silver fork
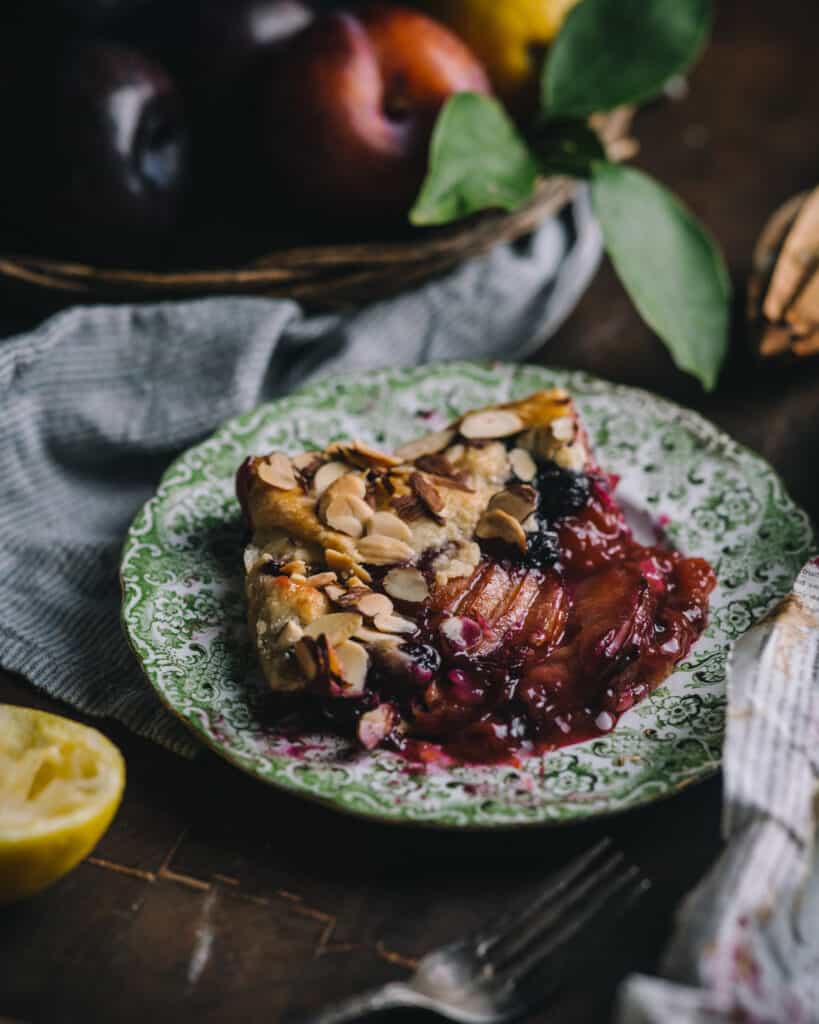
{"points": [[518, 960]]}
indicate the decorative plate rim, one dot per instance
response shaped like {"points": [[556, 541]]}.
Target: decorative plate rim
{"points": [[674, 412]]}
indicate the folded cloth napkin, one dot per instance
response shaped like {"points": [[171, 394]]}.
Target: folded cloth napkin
{"points": [[746, 946], [97, 401]]}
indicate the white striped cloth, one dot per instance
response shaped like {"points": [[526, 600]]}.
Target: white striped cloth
{"points": [[746, 946], [95, 404]]}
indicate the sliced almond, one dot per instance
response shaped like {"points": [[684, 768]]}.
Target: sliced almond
{"points": [[429, 444], [428, 495], [408, 507], [335, 592], [328, 473], [455, 453], [321, 579], [383, 641], [519, 500], [377, 549], [495, 524], [277, 471], [337, 626], [490, 424], [389, 525], [563, 428], [304, 461], [372, 604], [347, 514], [375, 726], [437, 465], [394, 624], [345, 565], [360, 454], [295, 566], [298, 577], [290, 633], [306, 657], [523, 465], [355, 663], [406, 584]]}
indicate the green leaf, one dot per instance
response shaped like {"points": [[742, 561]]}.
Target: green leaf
{"points": [[566, 145], [477, 161], [611, 52], [669, 265]]}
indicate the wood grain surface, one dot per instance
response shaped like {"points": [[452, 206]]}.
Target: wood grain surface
{"points": [[215, 899]]}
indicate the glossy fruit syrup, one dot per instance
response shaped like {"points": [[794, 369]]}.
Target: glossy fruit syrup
{"points": [[537, 651]]}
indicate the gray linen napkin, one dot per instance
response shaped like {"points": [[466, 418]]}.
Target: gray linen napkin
{"points": [[97, 401]]}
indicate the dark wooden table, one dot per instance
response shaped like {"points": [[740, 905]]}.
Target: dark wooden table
{"points": [[214, 899]]}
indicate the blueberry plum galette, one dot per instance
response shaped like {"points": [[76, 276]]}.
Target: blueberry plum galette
{"points": [[475, 595]]}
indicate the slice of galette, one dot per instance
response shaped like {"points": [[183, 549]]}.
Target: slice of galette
{"points": [[476, 593]]}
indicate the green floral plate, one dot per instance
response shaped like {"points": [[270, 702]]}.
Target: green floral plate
{"points": [[183, 604]]}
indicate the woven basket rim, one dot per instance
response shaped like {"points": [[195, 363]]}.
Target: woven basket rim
{"points": [[315, 270]]}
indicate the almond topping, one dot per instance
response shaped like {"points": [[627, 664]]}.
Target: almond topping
{"points": [[393, 624], [563, 428], [384, 641], [296, 566], [321, 579], [277, 471], [373, 604], [389, 525], [490, 424], [519, 500], [439, 465], [362, 455], [289, 634], [347, 514], [305, 656], [374, 726], [430, 444], [406, 585], [354, 662], [497, 524], [304, 461], [298, 577], [408, 507], [523, 465], [342, 563], [335, 592], [428, 496], [337, 626], [379, 550], [328, 473]]}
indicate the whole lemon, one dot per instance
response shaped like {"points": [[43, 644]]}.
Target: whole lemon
{"points": [[510, 37]]}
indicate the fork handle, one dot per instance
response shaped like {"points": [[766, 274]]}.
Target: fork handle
{"points": [[387, 997]]}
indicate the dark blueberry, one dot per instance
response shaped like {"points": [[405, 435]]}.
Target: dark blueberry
{"points": [[271, 569], [544, 548], [424, 657], [562, 492]]}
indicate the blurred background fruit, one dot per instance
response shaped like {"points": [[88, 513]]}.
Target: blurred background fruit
{"points": [[60, 785], [510, 37], [347, 109]]}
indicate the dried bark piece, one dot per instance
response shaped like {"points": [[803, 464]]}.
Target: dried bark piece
{"points": [[798, 258]]}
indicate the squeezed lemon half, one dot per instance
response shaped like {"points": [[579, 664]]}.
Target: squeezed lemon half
{"points": [[60, 785]]}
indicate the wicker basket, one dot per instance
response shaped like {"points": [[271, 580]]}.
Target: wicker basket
{"points": [[334, 276]]}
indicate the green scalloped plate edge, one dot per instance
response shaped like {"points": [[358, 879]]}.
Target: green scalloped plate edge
{"points": [[537, 376]]}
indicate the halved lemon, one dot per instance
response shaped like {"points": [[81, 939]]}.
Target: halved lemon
{"points": [[60, 785]]}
